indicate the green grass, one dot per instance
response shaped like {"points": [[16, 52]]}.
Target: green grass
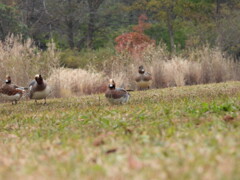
{"points": [[174, 133]]}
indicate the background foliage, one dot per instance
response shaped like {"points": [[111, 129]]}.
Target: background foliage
{"points": [[77, 25]]}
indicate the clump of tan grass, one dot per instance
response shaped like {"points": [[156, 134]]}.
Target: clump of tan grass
{"points": [[74, 82], [200, 66], [21, 59]]}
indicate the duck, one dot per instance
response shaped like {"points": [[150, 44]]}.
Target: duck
{"points": [[144, 79], [9, 82], [116, 95], [11, 92], [39, 89]]}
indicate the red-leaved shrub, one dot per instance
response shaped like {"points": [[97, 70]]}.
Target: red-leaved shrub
{"points": [[135, 42]]}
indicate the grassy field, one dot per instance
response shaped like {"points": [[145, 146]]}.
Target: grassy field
{"points": [[173, 133]]}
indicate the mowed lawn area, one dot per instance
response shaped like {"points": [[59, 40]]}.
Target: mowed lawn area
{"points": [[190, 132]]}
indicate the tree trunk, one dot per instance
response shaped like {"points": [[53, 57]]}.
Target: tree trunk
{"points": [[70, 24], [70, 34], [218, 24], [2, 34], [93, 6], [218, 7], [171, 34], [91, 28]]}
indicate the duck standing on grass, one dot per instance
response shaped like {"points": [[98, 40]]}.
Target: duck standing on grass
{"points": [[144, 79], [39, 89], [11, 92], [116, 95]]}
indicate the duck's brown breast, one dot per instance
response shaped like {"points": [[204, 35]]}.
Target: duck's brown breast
{"points": [[143, 77]]}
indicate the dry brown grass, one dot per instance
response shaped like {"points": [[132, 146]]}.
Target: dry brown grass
{"points": [[201, 66], [75, 82], [23, 60], [204, 65]]}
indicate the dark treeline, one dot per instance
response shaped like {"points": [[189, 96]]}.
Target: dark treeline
{"points": [[94, 24]]}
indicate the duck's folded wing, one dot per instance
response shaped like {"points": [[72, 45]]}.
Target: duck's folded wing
{"points": [[22, 88], [147, 77], [32, 83], [8, 90], [116, 94], [15, 86]]}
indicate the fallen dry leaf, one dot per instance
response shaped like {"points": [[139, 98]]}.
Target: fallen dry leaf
{"points": [[228, 118], [113, 150], [128, 131], [134, 163], [100, 140]]}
